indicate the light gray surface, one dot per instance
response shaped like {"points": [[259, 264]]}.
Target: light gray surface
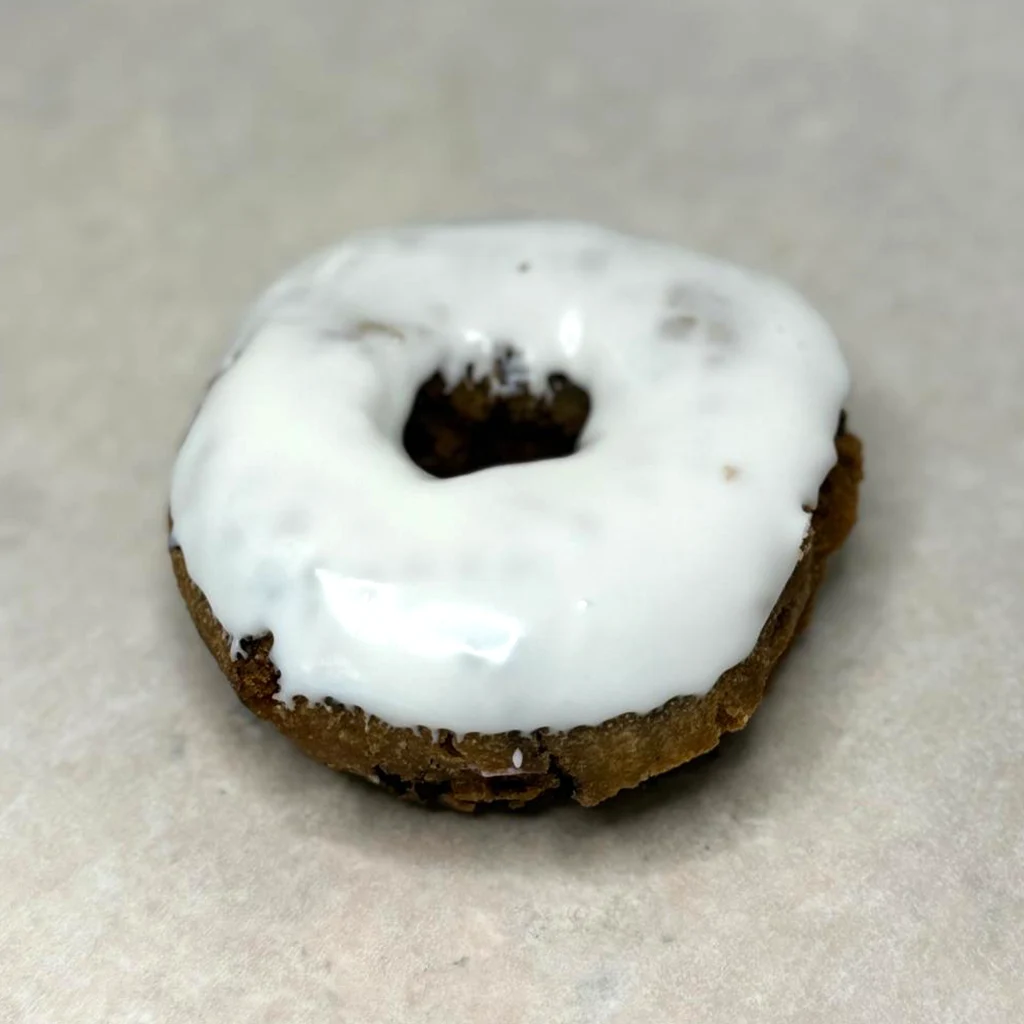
{"points": [[855, 856]]}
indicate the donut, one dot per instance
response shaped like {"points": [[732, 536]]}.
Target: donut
{"points": [[489, 512]]}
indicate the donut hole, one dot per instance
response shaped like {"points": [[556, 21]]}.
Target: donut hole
{"points": [[476, 425]]}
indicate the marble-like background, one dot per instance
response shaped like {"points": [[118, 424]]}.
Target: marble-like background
{"points": [[857, 855]]}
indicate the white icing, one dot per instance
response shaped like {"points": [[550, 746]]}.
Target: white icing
{"points": [[553, 593]]}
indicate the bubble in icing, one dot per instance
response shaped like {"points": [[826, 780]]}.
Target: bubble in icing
{"points": [[369, 328], [679, 326], [720, 332], [370, 600]]}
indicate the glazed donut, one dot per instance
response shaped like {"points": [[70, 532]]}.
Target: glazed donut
{"points": [[484, 511]]}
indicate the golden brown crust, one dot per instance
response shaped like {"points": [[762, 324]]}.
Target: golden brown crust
{"points": [[590, 763]]}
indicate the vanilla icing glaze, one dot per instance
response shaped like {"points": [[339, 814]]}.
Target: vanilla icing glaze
{"points": [[547, 594]]}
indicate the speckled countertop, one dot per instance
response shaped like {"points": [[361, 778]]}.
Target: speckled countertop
{"points": [[857, 855]]}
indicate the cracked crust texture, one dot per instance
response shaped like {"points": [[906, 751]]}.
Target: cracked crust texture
{"points": [[588, 763]]}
